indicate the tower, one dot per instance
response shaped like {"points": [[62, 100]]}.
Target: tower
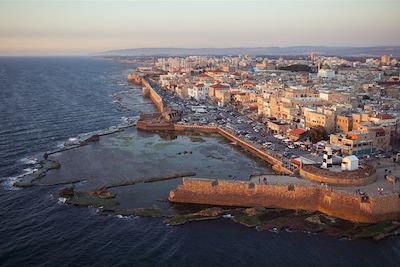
{"points": [[327, 161]]}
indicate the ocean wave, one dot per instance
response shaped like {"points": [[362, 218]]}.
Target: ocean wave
{"points": [[8, 183], [29, 160]]}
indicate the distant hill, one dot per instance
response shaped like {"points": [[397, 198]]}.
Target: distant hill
{"points": [[273, 51]]}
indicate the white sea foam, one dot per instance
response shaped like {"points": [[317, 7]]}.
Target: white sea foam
{"points": [[274, 230], [60, 145], [8, 183], [27, 171], [61, 200], [29, 160]]}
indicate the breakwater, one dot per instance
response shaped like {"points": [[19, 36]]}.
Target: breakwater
{"points": [[337, 203]]}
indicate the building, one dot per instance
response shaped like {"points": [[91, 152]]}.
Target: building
{"points": [[353, 143], [212, 89], [344, 123], [198, 91], [385, 60], [350, 163], [379, 135], [314, 56], [278, 127], [320, 117], [182, 90], [335, 96], [326, 72], [297, 134]]}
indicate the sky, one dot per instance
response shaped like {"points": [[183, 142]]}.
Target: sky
{"points": [[81, 27]]}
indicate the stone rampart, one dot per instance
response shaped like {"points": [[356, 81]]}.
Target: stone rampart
{"points": [[134, 78], [148, 91], [154, 126], [346, 178], [336, 203]]}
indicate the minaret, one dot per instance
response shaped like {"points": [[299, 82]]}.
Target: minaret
{"points": [[327, 162]]}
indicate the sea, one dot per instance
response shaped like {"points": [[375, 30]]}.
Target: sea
{"points": [[46, 100]]}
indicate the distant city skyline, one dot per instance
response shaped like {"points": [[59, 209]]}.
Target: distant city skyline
{"points": [[81, 27]]}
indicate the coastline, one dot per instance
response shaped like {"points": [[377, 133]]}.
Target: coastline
{"points": [[338, 203]]}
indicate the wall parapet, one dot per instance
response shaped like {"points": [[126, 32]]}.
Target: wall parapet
{"points": [[347, 178], [337, 203]]}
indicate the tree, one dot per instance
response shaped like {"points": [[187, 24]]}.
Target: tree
{"points": [[260, 117], [317, 134]]}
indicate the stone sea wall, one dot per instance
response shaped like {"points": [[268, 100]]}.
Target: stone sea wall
{"points": [[148, 91], [336, 203], [134, 78], [354, 178]]}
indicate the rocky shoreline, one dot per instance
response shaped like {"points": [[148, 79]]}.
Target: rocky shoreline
{"points": [[259, 218]]}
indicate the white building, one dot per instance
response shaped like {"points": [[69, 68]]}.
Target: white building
{"points": [[198, 91], [350, 163], [326, 72]]}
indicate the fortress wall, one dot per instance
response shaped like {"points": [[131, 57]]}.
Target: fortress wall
{"points": [[134, 78], [197, 128], [340, 180], [340, 204], [387, 206], [143, 125], [148, 91]]}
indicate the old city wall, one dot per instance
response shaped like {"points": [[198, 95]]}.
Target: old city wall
{"points": [[340, 204], [148, 91], [134, 78], [143, 125], [337, 180]]}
